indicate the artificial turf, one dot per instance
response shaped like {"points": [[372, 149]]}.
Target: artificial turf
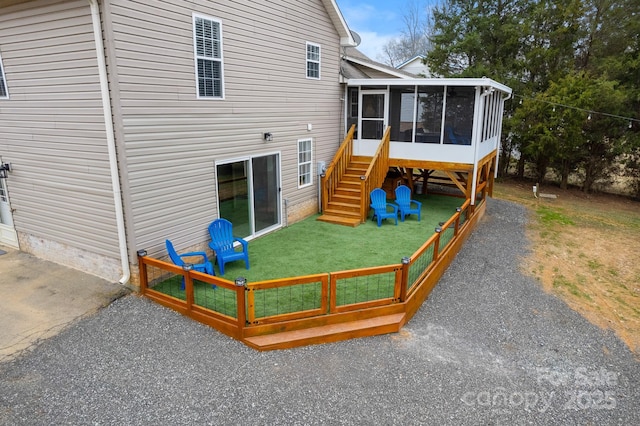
{"points": [[310, 247]]}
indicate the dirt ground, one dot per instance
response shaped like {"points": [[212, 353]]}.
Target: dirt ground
{"points": [[585, 250]]}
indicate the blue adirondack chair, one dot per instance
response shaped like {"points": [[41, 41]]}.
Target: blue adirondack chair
{"points": [[177, 259], [406, 205], [454, 138], [381, 207], [222, 243]]}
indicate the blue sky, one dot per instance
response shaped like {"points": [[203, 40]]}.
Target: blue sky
{"points": [[376, 21]]}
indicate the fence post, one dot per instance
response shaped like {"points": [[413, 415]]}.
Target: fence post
{"points": [[436, 244], [144, 284], [457, 223], [240, 303], [404, 278], [188, 285]]}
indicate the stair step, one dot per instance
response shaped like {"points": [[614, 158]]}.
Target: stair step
{"points": [[340, 220], [328, 333], [344, 209], [349, 198]]}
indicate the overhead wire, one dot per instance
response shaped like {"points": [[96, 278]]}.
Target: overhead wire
{"points": [[587, 111]]}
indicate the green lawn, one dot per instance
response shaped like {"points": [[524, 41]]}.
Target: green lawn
{"points": [[310, 246]]}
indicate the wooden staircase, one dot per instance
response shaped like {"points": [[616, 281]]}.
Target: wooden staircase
{"points": [[344, 206]]}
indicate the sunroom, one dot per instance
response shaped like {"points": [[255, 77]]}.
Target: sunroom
{"points": [[436, 132]]}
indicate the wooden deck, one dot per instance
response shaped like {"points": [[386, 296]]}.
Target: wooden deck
{"points": [[328, 323]]}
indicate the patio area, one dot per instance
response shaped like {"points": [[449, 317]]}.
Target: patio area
{"points": [[318, 276]]}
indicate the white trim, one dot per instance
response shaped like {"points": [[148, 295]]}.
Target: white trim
{"points": [[346, 38], [4, 80], [310, 162], [213, 58], [487, 82], [410, 60], [374, 66], [281, 200], [313, 61]]}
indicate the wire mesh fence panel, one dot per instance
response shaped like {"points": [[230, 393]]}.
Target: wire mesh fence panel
{"points": [[365, 288], [165, 282], [215, 298], [287, 299], [419, 266], [446, 235]]}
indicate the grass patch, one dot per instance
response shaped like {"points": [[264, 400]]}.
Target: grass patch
{"points": [[310, 247], [550, 216]]}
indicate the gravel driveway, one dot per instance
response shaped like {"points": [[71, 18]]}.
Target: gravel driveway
{"points": [[488, 347]]}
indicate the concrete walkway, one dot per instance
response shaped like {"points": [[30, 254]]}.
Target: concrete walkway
{"points": [[39, 298]]}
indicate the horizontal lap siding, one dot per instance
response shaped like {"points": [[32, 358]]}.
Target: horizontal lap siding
{"points": [[52, 127], [173, 139]]}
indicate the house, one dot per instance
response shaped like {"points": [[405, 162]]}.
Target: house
{"points": [[127, 122], [416, 67]]}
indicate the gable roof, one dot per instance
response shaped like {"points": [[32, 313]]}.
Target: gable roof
{"points": [[346, 38], [356, 64]]}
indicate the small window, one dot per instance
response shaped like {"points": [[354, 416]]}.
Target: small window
{"points": [[313, 60], [207, 40], [304, 163], [4, 93]]}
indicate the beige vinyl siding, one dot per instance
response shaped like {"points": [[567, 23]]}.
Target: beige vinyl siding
{"points": [[52, 129], [173, 139]]}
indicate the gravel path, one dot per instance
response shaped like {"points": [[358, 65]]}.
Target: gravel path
{"points": [[488, 347]]}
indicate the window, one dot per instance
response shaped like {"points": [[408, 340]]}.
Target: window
{"points": [[313, 60], [4, 94], [207, 40], [458, 124], [304, 162]]}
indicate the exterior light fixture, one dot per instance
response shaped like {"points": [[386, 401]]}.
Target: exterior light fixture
{"points": [[268, 136], [187, 266], [142, 253], [241, 281], [4, 168]]}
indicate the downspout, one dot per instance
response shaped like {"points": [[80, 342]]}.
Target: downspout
{"points": [[111, 141], [477, 126], [499, 145]]}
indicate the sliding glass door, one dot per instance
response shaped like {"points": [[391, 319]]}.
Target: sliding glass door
{"points": [[249, 194]]}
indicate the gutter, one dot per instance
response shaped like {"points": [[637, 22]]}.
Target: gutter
{"points": [[111, 142]]}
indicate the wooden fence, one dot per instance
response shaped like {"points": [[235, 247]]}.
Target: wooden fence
{"points": [[314, 308]]}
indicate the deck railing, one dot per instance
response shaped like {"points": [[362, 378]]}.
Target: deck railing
{"points": [[337, 168], [241, 309], [376, 173]]}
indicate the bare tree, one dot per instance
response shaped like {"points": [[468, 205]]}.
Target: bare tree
{"points": [[413, 39]]}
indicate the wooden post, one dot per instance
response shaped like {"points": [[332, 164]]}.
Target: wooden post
{"points": [[436, 244], [404, 278], [241, 303], [142, 266], [188, 285]]}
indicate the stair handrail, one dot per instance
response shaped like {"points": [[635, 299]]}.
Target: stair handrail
{"points": [[332, 176], [376, 172]]}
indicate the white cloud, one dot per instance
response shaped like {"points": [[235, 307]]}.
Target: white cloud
{"points": [[372, 44]]}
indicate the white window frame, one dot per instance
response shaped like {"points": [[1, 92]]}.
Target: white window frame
{"points": [[3, 82], [211, 58], [308, 173], [313, 60]]}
